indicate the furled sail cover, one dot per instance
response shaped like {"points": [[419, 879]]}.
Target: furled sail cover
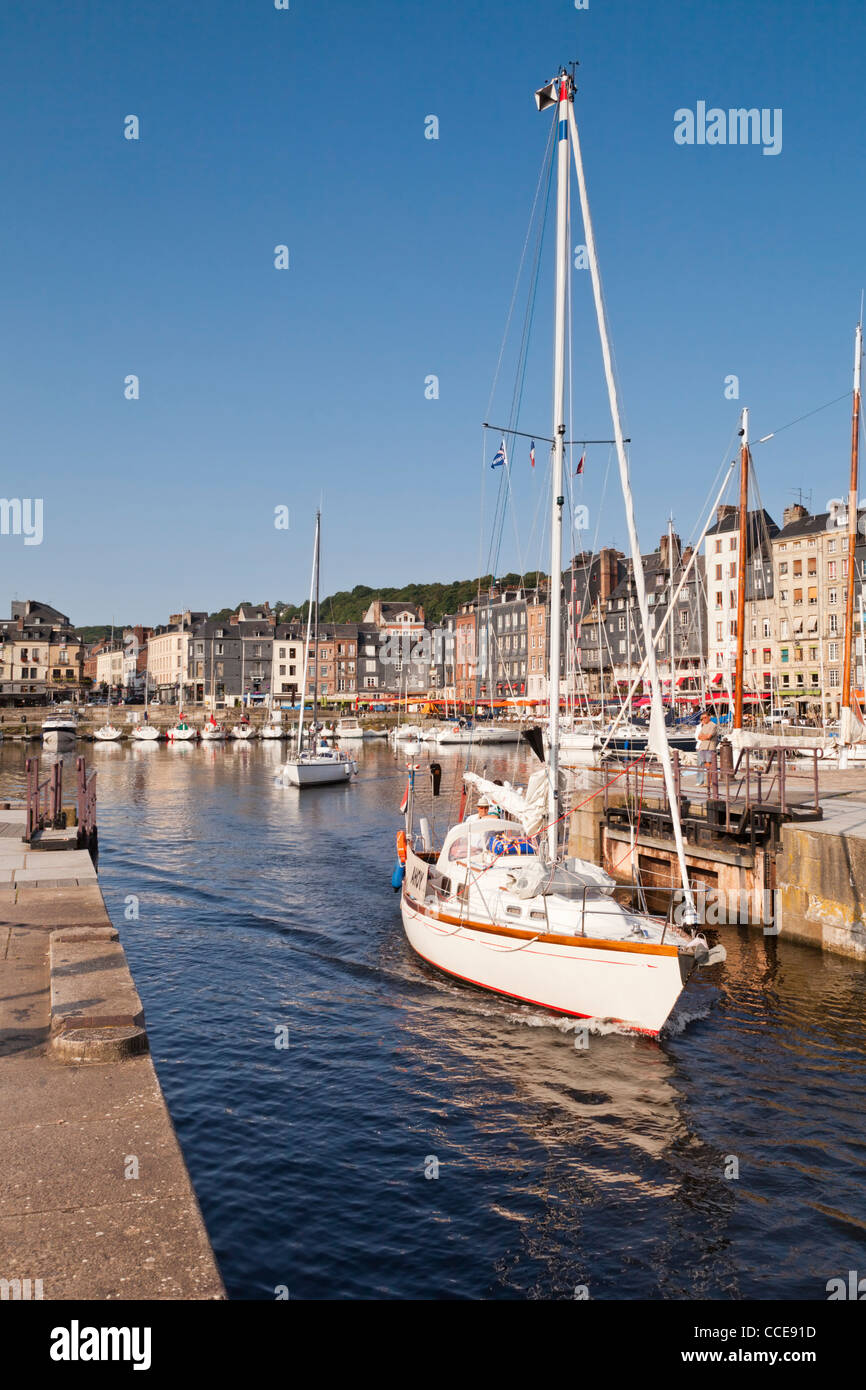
{"points": [[567, 879], [529, 807], [851, 726], [749, 738]]}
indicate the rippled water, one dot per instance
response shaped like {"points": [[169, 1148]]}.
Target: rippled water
{"points": [[261, 907]]}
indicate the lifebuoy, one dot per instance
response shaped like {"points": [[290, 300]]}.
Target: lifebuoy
{"points": [[401, 846]]}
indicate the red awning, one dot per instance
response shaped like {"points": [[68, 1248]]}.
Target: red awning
{"points": [[717, 679]]}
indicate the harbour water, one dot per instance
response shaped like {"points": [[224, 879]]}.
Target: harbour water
{"points": [[726, 1161]]}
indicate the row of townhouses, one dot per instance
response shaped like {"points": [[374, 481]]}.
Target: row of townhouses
{"points": [[495, 648]]}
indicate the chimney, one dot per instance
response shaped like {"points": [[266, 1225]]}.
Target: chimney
{"points": [[796, 512], [687, 555], [664, 553], [606, 573], [724, 511]]}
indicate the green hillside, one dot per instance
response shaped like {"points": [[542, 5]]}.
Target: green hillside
{"points": [[349, 606]]}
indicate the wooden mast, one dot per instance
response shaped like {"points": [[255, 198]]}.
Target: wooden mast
{"points": [[845, 729], [741, 572]]}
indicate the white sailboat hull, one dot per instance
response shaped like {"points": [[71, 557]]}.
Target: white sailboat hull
{"points": [[213, 735], [107, 734], [272, 731], [145, 733], [242, 731], [317, 772], [633, 986], [182, 735]]}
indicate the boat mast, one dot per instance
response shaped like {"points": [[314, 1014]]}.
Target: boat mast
{"points": [[846, 726], [566, 88], [307, 643], [671, 606], [741, 571], [316, 630], [658, 742]]}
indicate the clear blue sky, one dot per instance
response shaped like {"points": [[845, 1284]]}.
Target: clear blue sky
{"points": [[306, 127]]}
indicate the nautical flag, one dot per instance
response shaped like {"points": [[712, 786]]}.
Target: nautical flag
{"points": [[499, 458], [579, 468], [405, 802], [532, 453]]}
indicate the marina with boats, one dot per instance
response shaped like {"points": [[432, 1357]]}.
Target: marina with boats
{"points": [[497, 938]]}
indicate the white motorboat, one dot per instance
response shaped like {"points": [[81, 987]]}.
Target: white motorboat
{"points": [[59, 732], [350, 731], [502, 905], [580, 741], [319, 765]]}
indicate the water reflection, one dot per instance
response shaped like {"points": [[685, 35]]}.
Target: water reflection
{"points": [[260, 906]]}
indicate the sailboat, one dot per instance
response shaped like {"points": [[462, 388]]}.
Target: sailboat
{"points": [[145, 733], [314, 766], [182, 731], [107, 732], [501, 905], [273, 726]]}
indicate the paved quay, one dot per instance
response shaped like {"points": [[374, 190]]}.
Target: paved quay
{"points": [[95, 1198]]}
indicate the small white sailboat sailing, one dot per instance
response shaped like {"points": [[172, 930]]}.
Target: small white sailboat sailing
{"points": [[501, 905], [314, 766]]}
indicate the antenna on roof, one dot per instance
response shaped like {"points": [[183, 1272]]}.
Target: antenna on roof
{"points": [[804, 499]]}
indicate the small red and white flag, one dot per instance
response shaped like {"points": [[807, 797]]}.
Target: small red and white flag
{"points": [[532, 453], [405, 802], [579, 468]]}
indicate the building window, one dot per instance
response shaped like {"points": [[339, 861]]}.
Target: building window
{"points": [[833, 651], [834, 675], [784, 654]]}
